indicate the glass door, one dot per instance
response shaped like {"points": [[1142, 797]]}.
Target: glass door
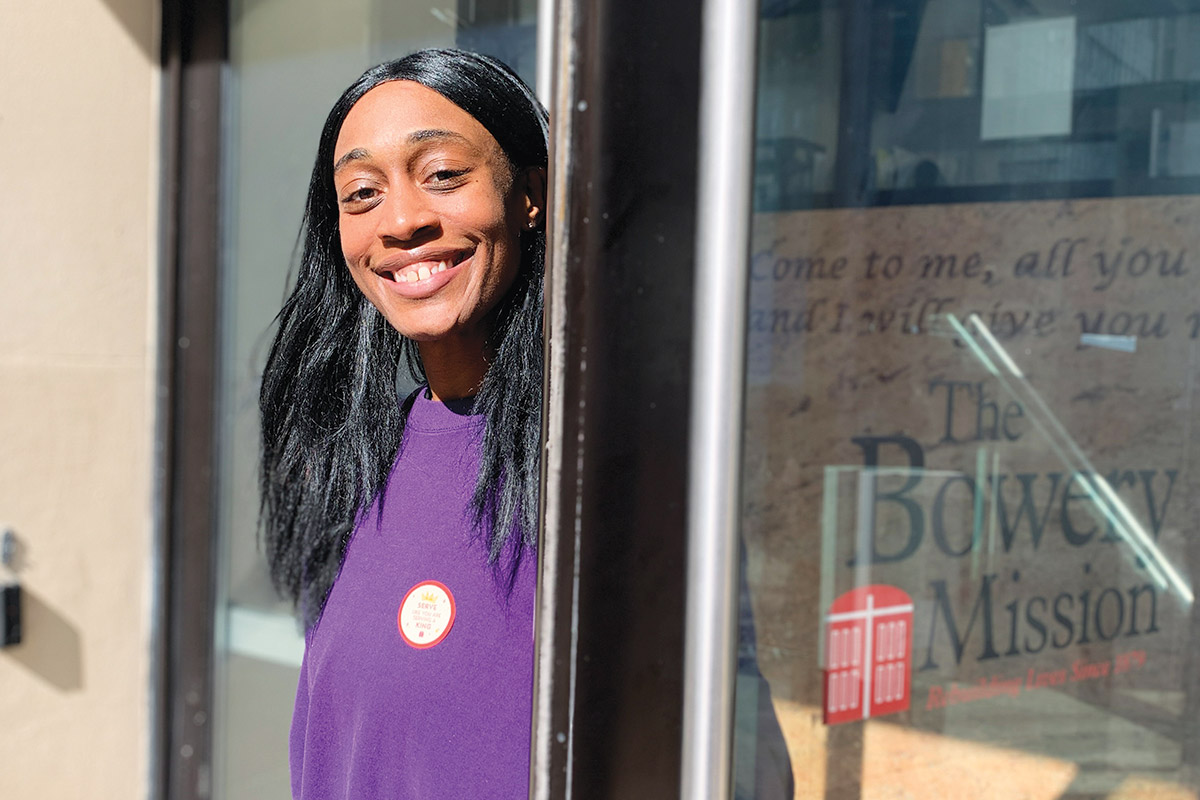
{"points": [[971, 454], [289, 61]]}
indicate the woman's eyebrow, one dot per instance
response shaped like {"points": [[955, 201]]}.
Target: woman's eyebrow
{"points": [[416, 137], [356, 154], [435, 134]]}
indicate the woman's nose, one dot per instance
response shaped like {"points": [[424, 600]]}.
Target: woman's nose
{"points": [[406, 216]]}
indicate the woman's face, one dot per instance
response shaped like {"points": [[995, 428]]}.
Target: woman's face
{"points": [[430, 212]]}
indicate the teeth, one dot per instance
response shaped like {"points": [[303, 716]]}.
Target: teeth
{"points": [[424, 271]]}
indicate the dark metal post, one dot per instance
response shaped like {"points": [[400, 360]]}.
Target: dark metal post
{"points": [[195, 52], [609, 711]]}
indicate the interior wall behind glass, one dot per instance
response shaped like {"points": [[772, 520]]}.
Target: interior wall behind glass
{"points": [[971, 457]]}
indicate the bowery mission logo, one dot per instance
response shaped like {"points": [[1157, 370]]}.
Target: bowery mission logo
{"points": [[867, 654]]}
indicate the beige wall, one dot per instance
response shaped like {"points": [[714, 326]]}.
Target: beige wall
{"points": [[78, 214]]}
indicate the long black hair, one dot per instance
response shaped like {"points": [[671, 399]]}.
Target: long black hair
{"points": [[331, 418]]}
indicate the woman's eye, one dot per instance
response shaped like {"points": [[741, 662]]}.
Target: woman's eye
{"points": [[359, 195], [445, 178]]}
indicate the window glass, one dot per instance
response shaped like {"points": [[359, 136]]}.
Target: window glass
{"points": [[289, 63], [972, 449]]}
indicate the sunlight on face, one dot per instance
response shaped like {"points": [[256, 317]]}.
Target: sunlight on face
{"points": [[430, 213]]}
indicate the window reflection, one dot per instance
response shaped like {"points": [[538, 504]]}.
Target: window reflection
{"points": [[947, 100], [971, 383]]}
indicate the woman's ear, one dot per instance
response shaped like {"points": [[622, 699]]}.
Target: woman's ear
{"points": [[534, 179]]}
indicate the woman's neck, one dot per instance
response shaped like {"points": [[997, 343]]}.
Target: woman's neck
{"points": [[454, 368]]}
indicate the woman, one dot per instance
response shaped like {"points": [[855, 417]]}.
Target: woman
{"points": [[403, 527]]}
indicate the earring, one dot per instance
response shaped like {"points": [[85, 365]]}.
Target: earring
{"points": [[532, 224]]}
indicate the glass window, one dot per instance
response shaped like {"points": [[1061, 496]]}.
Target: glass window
{"points": [[912, 102], [971, 454], [289, 62]]}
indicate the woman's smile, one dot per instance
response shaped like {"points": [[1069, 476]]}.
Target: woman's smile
{"points": [[422, 275]]}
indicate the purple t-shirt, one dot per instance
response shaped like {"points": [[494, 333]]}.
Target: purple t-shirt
{"points": [[417, 681]]}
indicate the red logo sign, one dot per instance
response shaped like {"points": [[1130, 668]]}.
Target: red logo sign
{"points": [[867, 654]]}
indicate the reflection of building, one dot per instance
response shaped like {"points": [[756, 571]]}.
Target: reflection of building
{"points": [[957, 96]]}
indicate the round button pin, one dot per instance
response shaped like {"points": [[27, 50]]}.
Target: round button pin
{"points": [[426, 614]]}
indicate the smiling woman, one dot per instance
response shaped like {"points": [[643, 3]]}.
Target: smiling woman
{"points": [[403, 528], [431, 215]]}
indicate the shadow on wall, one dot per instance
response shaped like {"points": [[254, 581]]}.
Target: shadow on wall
{"points": [[140, 19], [50, 646]]}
